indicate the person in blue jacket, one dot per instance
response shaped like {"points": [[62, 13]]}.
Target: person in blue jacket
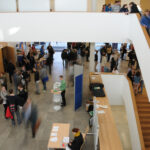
{"points": [[108, 8], [124, 8], [145, 20]]}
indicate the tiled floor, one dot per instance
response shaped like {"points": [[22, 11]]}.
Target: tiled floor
{"points": [[18, 138]]}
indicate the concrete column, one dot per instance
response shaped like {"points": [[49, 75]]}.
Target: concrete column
{"points": [[94, 5], [92, 52]]}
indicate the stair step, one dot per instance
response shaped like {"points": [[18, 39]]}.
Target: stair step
{"points": [[147, 144], [145, 120], [142, 102], [143, 106], [144, 115], [145, 126], [144, 109], [146, 138], [146, 132]]}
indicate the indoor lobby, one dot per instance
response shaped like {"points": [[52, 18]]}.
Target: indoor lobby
{"points": [[74, 75]]}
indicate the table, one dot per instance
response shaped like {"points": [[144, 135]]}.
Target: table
{"points": [[63, 131], [104, 128]]}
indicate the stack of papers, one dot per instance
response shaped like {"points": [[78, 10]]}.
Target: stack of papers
{"points": [[101, 112], [55, 128], [53, 139], [101, 106], [66, 140], [53, 134]]}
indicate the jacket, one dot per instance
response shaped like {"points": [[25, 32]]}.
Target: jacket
{"points": [[145, 21], [76, 143], [43, 73], [3, 95], [63, 85], [12, 102], [134, 9], [36, 76], [10, 68], [22, 97]]}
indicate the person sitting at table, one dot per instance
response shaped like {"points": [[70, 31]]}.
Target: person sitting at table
{"points": [[78, 140]]}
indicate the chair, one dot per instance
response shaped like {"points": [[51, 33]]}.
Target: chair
{"points": [[84, 137]]}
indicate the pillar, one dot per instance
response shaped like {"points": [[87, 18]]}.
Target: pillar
{"points": [[17, 6], [92, 53]]}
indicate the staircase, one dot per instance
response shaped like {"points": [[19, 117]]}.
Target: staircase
{"points": [[143, 107]]}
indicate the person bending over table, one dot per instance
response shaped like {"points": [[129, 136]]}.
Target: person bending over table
{"points": [[78, 140]]}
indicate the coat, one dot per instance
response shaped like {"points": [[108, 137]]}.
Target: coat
{"points": [[76, 143]]}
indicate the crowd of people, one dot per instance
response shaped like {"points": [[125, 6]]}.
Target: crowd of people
{"points": [[116, 7], [109, 57], [131, 8]]}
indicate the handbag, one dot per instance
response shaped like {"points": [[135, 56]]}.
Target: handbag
{"points": [[8, 113]]}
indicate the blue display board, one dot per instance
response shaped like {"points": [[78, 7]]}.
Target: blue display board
{"points": [[78, 91]]}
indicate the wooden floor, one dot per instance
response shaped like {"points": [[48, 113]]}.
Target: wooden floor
{"points": [[143, 106]]}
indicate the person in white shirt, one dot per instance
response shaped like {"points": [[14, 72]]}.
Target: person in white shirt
{"points": [[3, 95]]}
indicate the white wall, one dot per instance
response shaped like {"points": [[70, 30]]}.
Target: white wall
{"points": [[113, 87], [64, 27], [34, 5], [134, 135], [118, 93], [7, 5], [70, 5], [142, 50]]}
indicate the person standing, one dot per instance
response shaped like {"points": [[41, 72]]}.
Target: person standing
{"points": [[77, 141], [116, 7], [22, 95], [10, 69], [37, 80], [64, 56], [51, 52], [3, 79], [26, 77], [44, 77], [145, 20], [3, 95], [87, 53], [12, 103], [124, 8], [134, 8], [63, 90]]}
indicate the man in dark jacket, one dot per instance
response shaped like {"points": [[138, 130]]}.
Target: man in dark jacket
{"points": [[64, 56], [23, 95], [10, 69], [12, 102], [37, 80]]}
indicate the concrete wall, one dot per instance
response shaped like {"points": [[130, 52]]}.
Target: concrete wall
{"points": [[7, 5], [34, 5], [64, 27], [113, 87], [70, 5], [118, 93], [126, 96]]}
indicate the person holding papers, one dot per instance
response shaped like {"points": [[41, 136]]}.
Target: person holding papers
{"points": [[78, 140]]}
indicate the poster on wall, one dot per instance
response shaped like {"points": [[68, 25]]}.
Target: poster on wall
{"points": [[78, 83]]}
